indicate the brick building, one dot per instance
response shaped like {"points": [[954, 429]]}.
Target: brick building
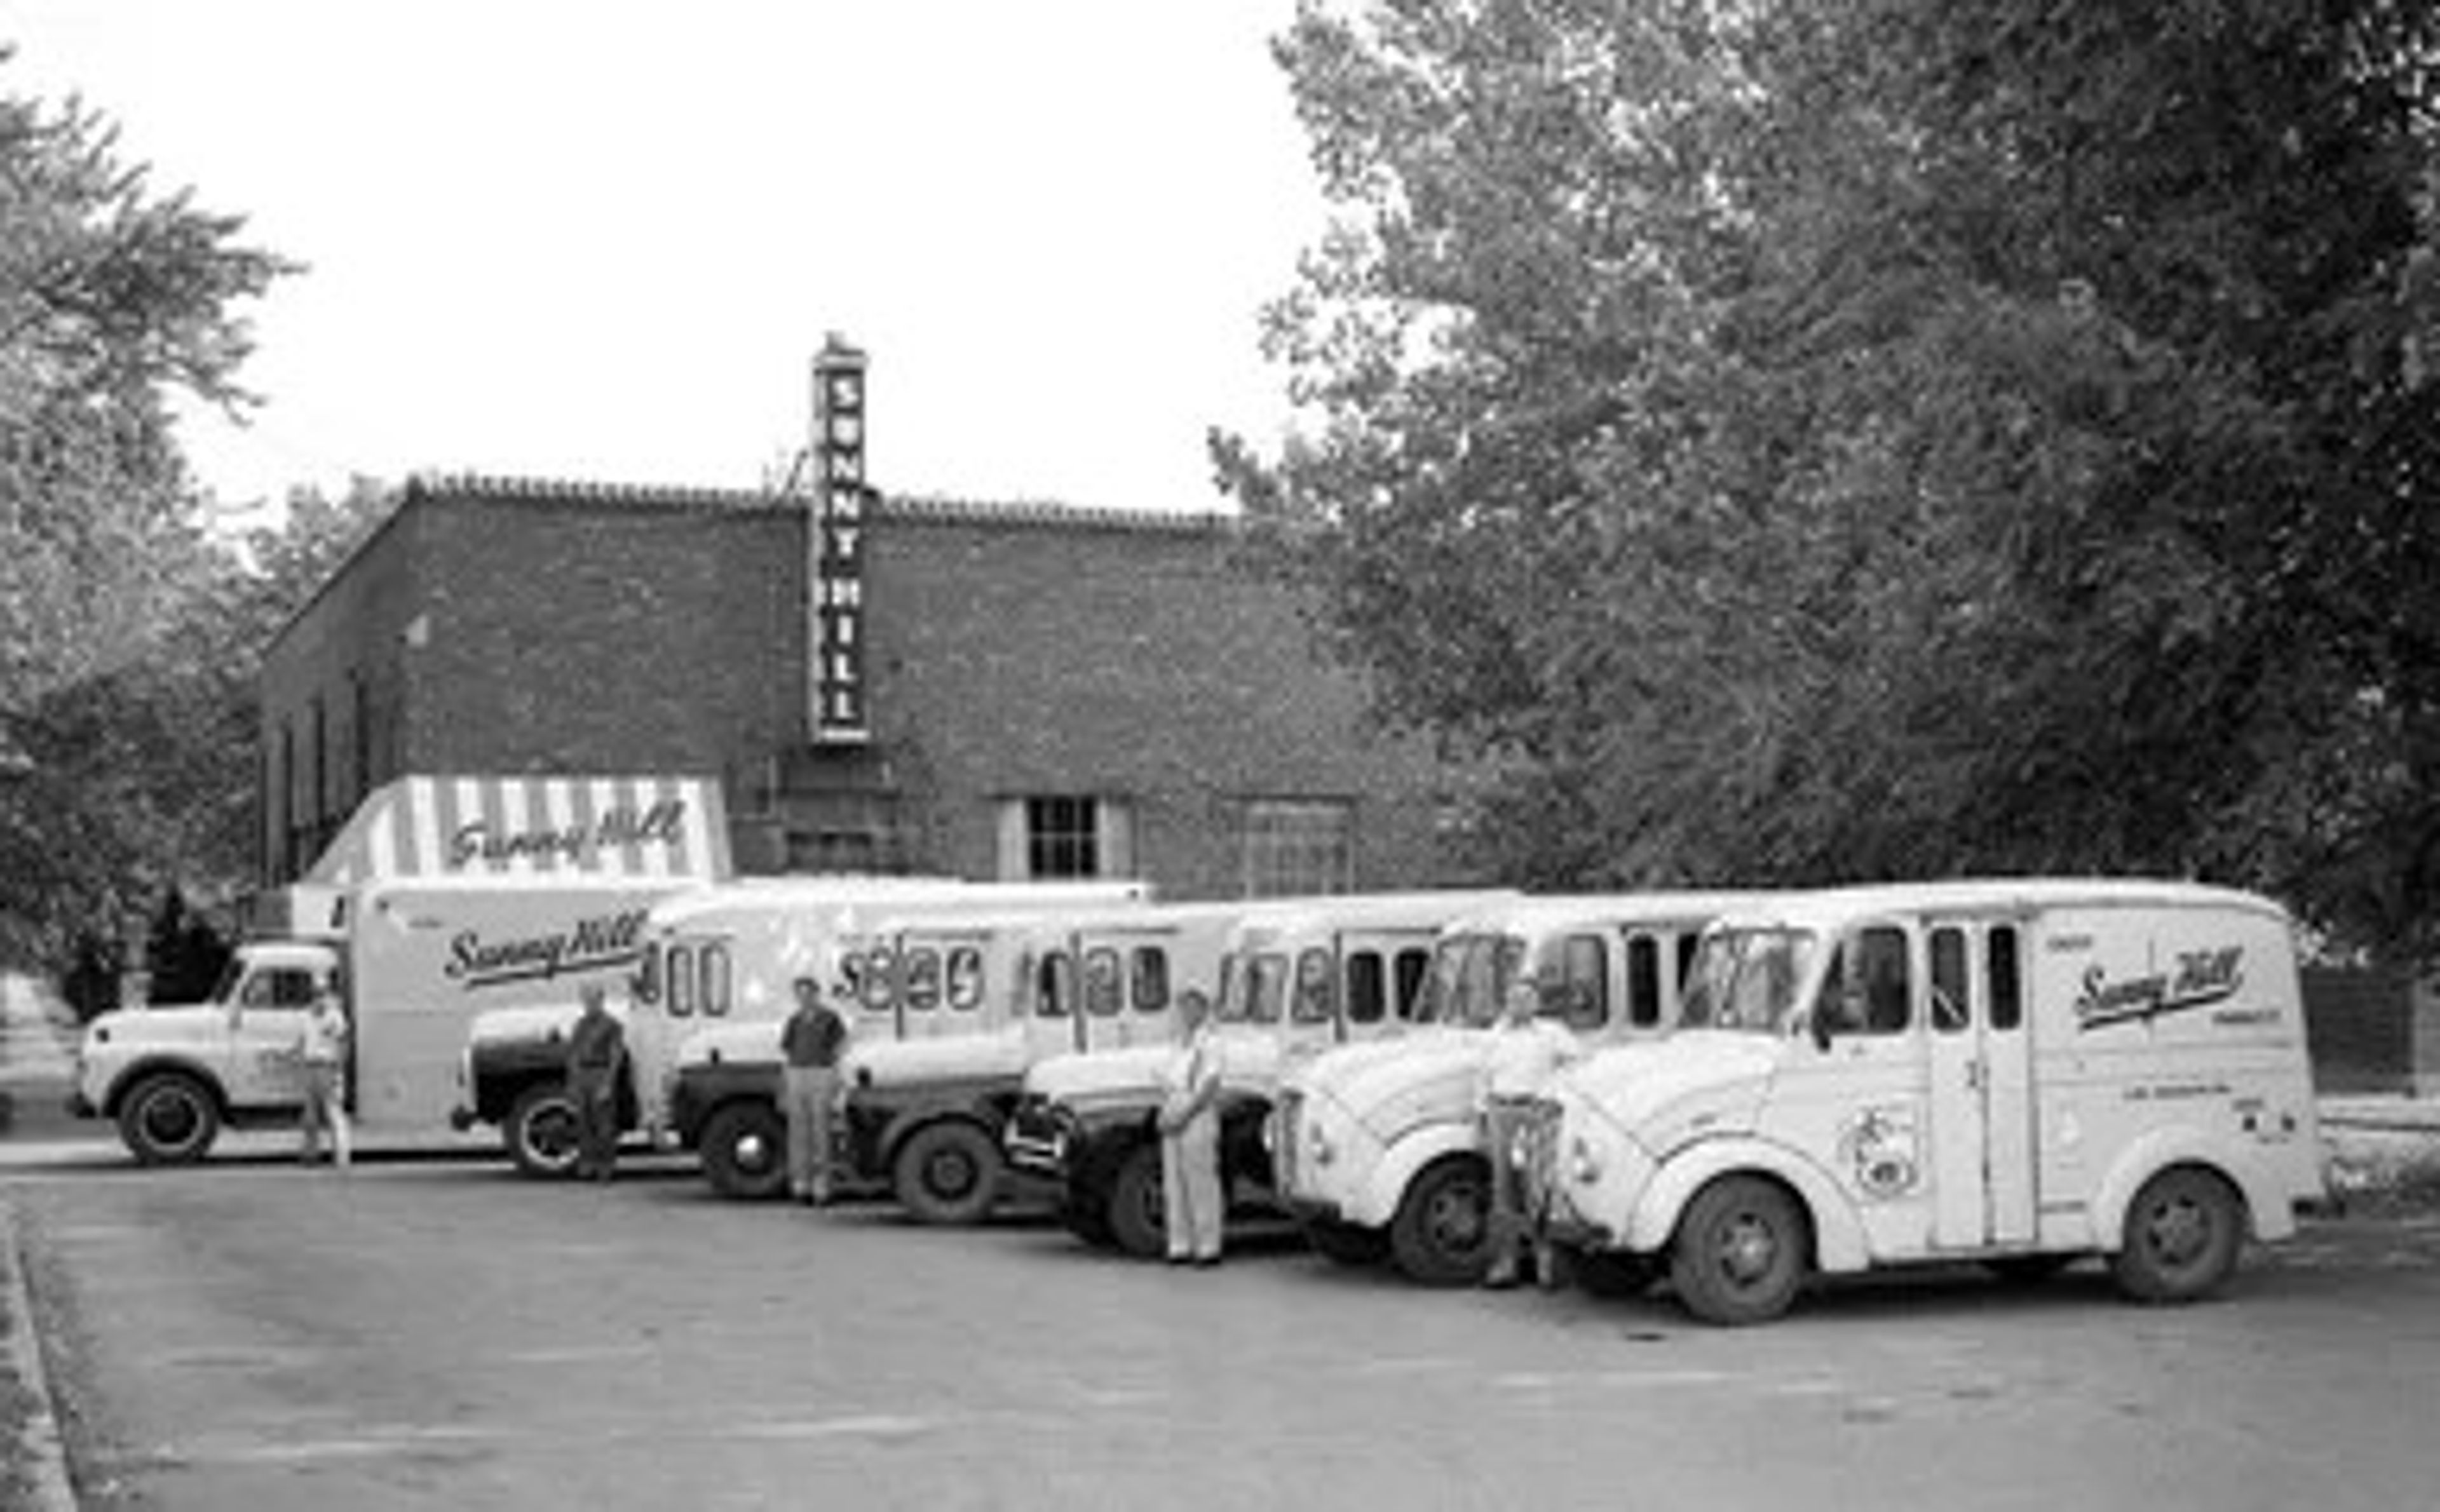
{"points": [[1045, 692]]}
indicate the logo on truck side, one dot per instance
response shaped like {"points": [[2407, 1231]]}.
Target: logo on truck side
{"points": [[2201, 979], [663, 823], [592, 945]]}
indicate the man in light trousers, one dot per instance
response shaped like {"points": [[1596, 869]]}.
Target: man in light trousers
{"points": [[810, 1044], [1195, 1205], [1525, 1054]]}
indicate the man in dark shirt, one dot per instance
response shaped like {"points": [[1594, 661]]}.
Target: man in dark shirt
{"points": [[597, 1054], [810, 1044]]}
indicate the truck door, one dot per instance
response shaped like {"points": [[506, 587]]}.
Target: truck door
{"points": [[1981, 1107], [262, 1065], [1851, 1092]]}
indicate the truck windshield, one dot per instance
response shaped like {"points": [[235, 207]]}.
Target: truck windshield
{"points": [[1748, 978], [224, 990], [1254, 986], [1469, 979]]}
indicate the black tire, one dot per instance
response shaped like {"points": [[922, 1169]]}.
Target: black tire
{"points": [[2181, 1239], [541, 1131], [1137, 1221], [1741, 1254], [169, 1118], [1614, 1274], [2027, 1270], [947, 1173], [1442, 1234], [1348, 1244], [745, 1150]]}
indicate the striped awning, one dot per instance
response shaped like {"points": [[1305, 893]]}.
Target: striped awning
{"points": [[433, 827]]}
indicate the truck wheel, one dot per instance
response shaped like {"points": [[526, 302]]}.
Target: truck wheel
{"points": [[169, 1118], [947, 1173], [1441, 1236], [1138, 1220], [2182, 1234], [1344, 1243], [540, 1131], [1740, 1251], [745, 1150]]}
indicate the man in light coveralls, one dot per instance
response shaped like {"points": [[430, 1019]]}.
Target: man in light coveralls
{"points": [[1193, 1204], [1525, 1054]]}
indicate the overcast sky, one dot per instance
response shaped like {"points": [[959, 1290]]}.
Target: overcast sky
{"points": [[602, 241]]}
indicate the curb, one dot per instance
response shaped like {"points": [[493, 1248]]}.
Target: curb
{"points": [[44, 1453]]}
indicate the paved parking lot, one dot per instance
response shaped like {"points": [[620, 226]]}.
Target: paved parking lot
{"points": [[420, 1334]]}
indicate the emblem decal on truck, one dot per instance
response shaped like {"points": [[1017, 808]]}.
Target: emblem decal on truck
{"points": [[1884, 1149], [593, 945], [2201, 979]]}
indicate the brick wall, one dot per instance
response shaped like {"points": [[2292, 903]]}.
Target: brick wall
{"points": [[545, 628]]}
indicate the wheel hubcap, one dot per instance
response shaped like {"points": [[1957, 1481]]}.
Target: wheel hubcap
{"points": [[950, 1174], [169, 1120], [2180, 1233], [1748, 1250], [753, 1152], [1457, 1218]]}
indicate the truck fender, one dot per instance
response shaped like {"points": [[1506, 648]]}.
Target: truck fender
{"points": [[151, 1065], [1375, 1204], [2267, 1211], [1839, 1241]]}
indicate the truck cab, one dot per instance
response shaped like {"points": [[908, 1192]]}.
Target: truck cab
{"points": [[1298, 976], [1378, 1147], [173, 1077], [2014, 1072]]}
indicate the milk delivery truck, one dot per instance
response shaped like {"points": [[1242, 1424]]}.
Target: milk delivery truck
{"points": [[444, 897]]}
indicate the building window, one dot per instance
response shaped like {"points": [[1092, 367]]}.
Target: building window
{"points": [[1049, 838], [1299, 847]]}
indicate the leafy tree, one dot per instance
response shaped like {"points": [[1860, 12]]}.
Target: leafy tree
{"points": [[1801, 442], [111, 298]]}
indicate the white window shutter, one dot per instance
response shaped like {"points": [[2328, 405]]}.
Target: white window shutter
{"points": [[1013, 867], [1114, 833]]}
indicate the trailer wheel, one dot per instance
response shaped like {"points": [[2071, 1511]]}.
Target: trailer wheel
{"points": [[2182, 1234], [1441, 1236], [947, 1173], [541, 1131], [1344, 1243], [1138, 1216], [169, 1118], [744, 1149], [1740, 1251]]}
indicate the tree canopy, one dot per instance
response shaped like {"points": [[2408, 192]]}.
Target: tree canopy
{"points": [[125, 656], [1795, 441]]}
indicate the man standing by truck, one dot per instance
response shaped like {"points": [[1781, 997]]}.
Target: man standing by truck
{"points": [[322, 1058], [1526, 1053], [809, 1091], [596, 1052]]}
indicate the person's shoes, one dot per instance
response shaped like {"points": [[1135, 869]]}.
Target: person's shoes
{"points": [[1205, 1262], [1180, 1260], [1500, 1280]]}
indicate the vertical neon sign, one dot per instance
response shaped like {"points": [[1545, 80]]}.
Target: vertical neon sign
{"points": [[836, 634]]}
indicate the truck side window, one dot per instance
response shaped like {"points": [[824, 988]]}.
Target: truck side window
{"points": [[1581, 995], [965, 974], [1102, 984], [1265, 984], [681, 982], [1315, 998], [1149, 987], [1643, 990], [1367, 996], [1412, 966], [923, 968], [1949, 985], [2007, 992], [715, 979], [1886, 990], [880, 979], [1055, 986]]}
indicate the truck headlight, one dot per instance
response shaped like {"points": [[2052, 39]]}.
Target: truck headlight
{"points": [[1583, 1162]]}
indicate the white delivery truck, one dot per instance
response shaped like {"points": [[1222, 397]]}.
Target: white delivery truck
{"points": [[724, 980], [1379, 1148], [981, 999], [1300, 975], [712, 954], [2018, 1073], [444, 897]]}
